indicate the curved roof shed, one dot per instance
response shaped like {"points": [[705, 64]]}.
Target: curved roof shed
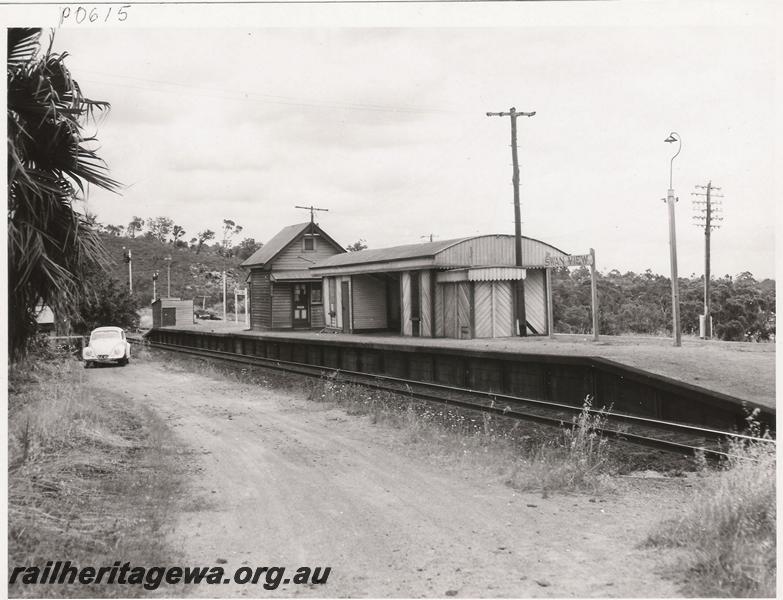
{"points": [[496, 250]]}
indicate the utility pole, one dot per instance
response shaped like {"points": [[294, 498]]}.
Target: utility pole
{"points": [[520, 284], [224, 296], [168, 276], [709, 220], [154, 285], [126, 254]]}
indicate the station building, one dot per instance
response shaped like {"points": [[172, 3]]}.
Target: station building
{"points": [[459, 288], [284, 292]]}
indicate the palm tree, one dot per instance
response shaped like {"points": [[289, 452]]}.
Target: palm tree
{"points": [[50, 163]]}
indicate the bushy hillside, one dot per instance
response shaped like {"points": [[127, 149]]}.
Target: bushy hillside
{"points": [[743, 309], [193, 275]]}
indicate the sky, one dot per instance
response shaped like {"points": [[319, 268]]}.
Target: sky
{"points": [[386, 127]]}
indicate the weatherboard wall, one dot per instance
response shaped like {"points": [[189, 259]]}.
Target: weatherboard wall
{"points": [[260, 300], [282, 308], [182, 312], [294, 256]]}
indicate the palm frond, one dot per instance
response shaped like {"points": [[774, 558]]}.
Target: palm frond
{"points": [[50, 164], [23, 45]]}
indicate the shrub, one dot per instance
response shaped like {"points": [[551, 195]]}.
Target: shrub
{"points": [[728, 526]]}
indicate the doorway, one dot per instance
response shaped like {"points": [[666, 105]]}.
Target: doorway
{"points": [[393, 320], [301, 305], [345, 291]]}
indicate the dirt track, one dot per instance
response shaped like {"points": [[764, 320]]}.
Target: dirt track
{"points": [[275, 480]]}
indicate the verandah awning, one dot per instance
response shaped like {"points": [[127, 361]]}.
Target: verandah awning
{"points": [[482, 274]]}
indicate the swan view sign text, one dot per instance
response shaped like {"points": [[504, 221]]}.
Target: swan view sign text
{"points": [[569, 260]]}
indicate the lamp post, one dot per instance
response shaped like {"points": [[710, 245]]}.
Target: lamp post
{"points": [[168, 276], [670, 200]]}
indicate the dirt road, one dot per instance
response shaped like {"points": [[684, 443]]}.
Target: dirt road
{"points": [[274, 480]]}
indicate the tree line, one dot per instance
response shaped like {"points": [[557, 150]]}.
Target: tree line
{"points": [[742, 308], [166, 231]]}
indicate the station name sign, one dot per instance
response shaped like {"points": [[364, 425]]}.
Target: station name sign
{"points": [[569, 260]]}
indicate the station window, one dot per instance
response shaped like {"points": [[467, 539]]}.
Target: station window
{"points": [[308, 243], [315, 295]]}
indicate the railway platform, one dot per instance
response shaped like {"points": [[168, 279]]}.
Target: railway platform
{"points": [[745, 371]]}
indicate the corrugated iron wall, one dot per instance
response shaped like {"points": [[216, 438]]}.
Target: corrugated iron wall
{"points": [[426, 304], [439, 310], [369, 297]]}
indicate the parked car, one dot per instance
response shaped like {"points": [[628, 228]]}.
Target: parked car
{"points": [[206, 313], [107, 345]]}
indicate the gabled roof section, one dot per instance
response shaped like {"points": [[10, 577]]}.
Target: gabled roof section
{"points": [[422, 250], [278, 243]]}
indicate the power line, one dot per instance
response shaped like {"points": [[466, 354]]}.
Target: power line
{"points": [[257, 96]]}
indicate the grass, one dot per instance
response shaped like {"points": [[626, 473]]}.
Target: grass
{"points": [[577, 458], [91, 478], [727, 529]]}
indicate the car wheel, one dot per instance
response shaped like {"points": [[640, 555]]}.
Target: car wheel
{"points": [[87, 364], [124, 362]]}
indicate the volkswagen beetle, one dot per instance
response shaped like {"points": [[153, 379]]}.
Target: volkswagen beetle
{"points": [[107, 345]]}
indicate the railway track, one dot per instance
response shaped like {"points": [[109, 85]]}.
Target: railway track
{"points": [[669, 436]]}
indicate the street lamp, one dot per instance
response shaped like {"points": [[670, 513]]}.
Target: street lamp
{"points": [[670, 200], [154, 285], [168, 276]]}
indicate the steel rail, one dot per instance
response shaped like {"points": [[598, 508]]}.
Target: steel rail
{"points": [[371, 380]]}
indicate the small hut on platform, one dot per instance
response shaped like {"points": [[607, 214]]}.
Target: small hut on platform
{"points": [[168, 312], [284, 292]]}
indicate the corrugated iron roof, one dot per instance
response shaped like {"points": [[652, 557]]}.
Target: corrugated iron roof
{"points": [[269, 250], [427, 249]]}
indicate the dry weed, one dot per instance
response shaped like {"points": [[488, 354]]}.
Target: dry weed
{"points": [[728, 527], [90, 478]]}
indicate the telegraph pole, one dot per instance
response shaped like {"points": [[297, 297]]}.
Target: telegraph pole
{"points": [[126, 254], [520, 284], [168, 276], [709, 221]]}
